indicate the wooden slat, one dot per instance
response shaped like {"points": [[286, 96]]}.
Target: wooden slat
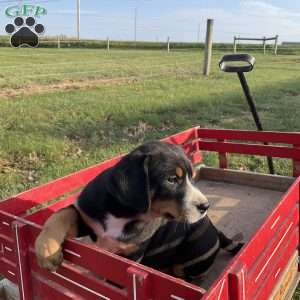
{"points": [[49, 290], [265, 181], [279, 262], [265, 232], [247, 135], [254, 149], [261, 267], [80, 281], [182, 137], [42, 215]]}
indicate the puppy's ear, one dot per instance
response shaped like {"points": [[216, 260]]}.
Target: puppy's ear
{"points": [[129, 182]]}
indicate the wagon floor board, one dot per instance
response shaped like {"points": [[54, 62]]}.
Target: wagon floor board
{"points": [[234, 209]]}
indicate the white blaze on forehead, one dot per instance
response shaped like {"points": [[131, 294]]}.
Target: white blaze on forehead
{"points": [[115, 226], [193, 194], [193, 198]]}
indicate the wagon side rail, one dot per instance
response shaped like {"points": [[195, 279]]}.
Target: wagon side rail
{"points": [[81, 277], [255, 271], [224, 142]]}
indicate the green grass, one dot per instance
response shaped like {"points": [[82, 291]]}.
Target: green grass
{"points": [[46, 135]]}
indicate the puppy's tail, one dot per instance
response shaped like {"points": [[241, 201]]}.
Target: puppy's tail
{"points": [[232, 245]]}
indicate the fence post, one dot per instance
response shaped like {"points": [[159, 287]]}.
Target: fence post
{"points": [[208, 46], [58, 43], [234, 44], [108, 44], [168, 44], [276, 44], [264, 44]]}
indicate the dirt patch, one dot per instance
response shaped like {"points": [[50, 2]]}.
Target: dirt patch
{"points": [[67, 84]]}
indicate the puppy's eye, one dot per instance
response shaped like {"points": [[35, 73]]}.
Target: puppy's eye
{"points": [[172, 179]]}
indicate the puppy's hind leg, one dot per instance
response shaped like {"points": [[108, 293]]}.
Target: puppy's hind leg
{"points": [[48, 245], [232, 245]]}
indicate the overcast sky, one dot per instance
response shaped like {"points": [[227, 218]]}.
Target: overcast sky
{"points": [[179, 19]]}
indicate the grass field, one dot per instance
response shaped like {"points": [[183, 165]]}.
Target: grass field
{"points": [[65, 109]]}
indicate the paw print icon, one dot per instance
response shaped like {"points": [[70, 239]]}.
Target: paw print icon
{"points": [[24, 32]]}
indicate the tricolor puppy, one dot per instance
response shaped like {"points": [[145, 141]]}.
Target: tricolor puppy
{"points": [[126, 204]]}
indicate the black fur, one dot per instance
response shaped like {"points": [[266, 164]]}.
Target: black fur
{"points": [[127, 189]]}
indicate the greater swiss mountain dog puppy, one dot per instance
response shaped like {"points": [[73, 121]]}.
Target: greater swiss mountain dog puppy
{"points": [[146, 208]]}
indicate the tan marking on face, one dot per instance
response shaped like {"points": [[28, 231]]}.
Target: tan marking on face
{"points": [[179, 172], [163, 207]]}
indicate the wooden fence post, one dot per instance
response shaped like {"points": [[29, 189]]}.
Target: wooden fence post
{"points": [[208, 47], [58, 42], [168, 44]]}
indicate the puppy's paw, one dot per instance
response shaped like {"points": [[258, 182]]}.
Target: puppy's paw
{"points": [[48, 253]]}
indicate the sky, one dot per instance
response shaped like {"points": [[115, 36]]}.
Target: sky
{"points": [[181, 20]]}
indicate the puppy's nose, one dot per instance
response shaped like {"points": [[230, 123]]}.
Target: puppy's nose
{"points": [[203, 206]]}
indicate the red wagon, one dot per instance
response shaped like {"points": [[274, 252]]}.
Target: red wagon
{"points": [[264, 207]]}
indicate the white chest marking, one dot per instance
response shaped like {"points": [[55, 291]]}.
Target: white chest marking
{"points": [[115, 226]]}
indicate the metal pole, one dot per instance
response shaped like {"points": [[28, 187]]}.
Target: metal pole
{"points": [[78, 19], [168, 44], [264, 44], [108, 44], [208, 47], [252, 106]]}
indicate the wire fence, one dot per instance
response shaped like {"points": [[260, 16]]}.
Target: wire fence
{"points": [[150, 24]]}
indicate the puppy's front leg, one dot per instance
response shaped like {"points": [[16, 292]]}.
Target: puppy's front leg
{"points": [[48, 245]]}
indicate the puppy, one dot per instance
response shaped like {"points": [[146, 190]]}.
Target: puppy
{"points": [[126, 205]]}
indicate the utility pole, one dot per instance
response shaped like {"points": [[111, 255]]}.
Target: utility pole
{"points": [[135, 25], [208, 46], [78, 19]]}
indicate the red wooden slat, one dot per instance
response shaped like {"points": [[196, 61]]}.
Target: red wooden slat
{"points": [[182, 137], [8, 269], [261, 267], [7, 248], [6, 220], [42, 215], [49, 290], [279, 263], [248, 135], [265, 150], [79, 281], [270, 226], [88, 254], [218, 292]]}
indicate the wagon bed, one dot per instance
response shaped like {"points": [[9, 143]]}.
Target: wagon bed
{"points": [[264, 207]]}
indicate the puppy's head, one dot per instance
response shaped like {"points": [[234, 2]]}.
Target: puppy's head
{"points": [[156, 179]]}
